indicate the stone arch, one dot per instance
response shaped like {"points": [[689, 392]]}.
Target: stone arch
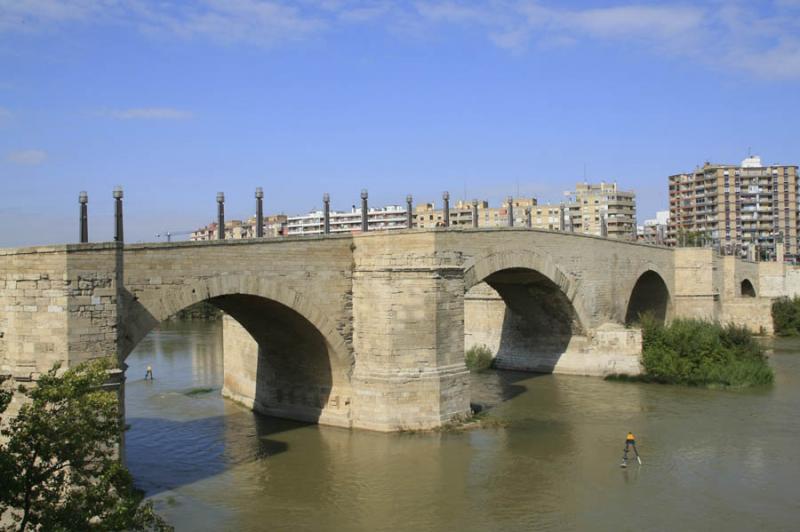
{"points": [[523, 308], [282, 356], [649, 294], [146, 309], [483, 267], [746, 288]]}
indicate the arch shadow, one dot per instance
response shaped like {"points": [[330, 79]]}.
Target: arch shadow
{"points": [[650, 296]]}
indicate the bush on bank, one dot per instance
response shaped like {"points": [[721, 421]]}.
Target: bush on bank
{"points": [[786, 316], [701, 353], [478, 358]]}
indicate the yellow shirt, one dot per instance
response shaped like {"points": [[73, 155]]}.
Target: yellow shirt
{"points": [[630, 437]]}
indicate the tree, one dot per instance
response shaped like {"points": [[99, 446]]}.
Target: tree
{"points": [[59, 464]]}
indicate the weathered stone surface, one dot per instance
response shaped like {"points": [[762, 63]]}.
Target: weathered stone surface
{"points": [[370, 330]]}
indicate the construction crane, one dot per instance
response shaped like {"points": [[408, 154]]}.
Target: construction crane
{"points": [[170, 234]]}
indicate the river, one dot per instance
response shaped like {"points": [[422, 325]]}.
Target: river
{"points": [[712, 460]]}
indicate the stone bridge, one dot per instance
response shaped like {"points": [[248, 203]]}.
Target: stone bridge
{"points": [[370, 330]]}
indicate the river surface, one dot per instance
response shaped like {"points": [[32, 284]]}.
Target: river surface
{"points": [[712, 460]]}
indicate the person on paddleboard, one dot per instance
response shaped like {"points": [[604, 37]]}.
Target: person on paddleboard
{"points": [[630, 441]]}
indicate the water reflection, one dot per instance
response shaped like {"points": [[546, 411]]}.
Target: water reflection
{"points": [[712, 460]]}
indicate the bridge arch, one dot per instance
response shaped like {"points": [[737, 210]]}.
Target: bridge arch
{"points": [[523, 307], [146, 309], [281, 357], [649, 295], [746, 288], [482, 268]]}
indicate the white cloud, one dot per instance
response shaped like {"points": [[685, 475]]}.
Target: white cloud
{"points": [[26, 15], [150, 113], [623, 22], [27, 157], [230, 21], [452, 11], [760, 38]]}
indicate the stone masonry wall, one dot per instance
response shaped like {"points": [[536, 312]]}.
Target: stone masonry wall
{"points": [[57, 303], [698, 284]]}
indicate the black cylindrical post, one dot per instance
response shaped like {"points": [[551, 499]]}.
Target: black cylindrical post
{"points": [[409, 214], [528, 215], [259, 212], [474, 213], [83, 199], [326, 202], [364, 211], [118, 237], [220, 216], [510, 201], [446, 208]]}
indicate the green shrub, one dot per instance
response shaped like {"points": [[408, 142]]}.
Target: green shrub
{"points": [[786, 316], [701, 353], [478, 358]]}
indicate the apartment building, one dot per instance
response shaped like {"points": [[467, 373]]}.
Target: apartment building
{"points": [[740, 209], [427, 215], [654, 230], [274, 226], [601, 209], [378, 219]]}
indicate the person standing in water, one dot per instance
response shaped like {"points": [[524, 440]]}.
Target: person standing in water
{"points": [[630, 441], [149, 373]]}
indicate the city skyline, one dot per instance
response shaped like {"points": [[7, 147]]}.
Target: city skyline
{"points": [[177, 103]]}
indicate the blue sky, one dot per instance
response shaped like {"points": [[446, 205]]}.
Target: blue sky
{"points": [[177, 100]]}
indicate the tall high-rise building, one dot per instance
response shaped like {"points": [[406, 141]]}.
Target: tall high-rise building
{"points": [[743, 210]]}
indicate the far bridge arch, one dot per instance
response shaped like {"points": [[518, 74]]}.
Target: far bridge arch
{"points": [[747, 289], [649, 295]]}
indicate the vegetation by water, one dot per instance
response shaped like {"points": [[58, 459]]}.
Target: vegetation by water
{"points": [[786, 316], [701, 353], [58, 462], [198, 391], [478, 358]]}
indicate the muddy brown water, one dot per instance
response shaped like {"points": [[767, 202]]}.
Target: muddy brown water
{"points": [[712, 460]]}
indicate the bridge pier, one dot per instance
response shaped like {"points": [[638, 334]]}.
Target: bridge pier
{"points": [[408, 314]]}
